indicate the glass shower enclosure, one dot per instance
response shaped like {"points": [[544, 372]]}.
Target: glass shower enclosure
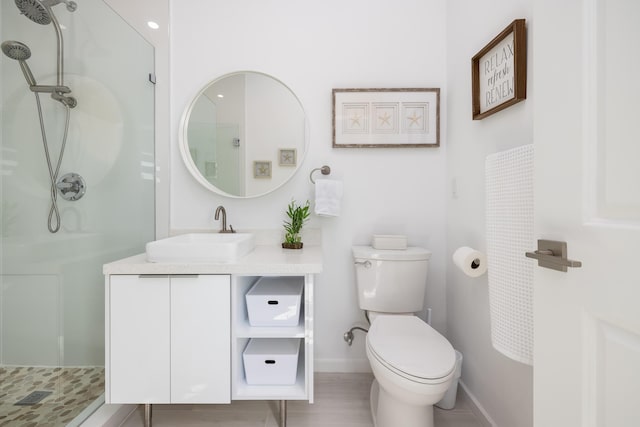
{"points": [[51, 283]]}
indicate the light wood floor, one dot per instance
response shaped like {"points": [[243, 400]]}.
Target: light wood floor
{"points": [[341, 400]]}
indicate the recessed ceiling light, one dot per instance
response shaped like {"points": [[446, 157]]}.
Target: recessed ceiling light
{"points": [[220, 95], [153, 25]]}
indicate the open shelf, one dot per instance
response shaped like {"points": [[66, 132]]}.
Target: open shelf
{"points": [[246, 331], [242, 332]]}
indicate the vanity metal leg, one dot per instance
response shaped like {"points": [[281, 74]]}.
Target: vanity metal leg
{"points": [[147, 415], [283, 413]]}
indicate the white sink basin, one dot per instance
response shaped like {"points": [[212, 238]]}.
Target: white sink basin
{"points": [[201, 247]]}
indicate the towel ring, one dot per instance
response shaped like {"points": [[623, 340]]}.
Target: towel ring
{"points": [[325, 170]]}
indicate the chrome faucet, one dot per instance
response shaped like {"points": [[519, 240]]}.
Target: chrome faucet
{"points": [[223, 228]]}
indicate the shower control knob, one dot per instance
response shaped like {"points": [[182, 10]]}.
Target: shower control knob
{"points": [[71, 186]]}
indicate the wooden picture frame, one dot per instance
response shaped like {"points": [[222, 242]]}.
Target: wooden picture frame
{"points": [[499, 72], [382, 118]]}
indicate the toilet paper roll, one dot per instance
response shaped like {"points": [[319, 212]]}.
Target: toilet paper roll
{"points": [[473, 263]]}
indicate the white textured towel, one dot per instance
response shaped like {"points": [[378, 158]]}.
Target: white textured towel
{"points": [[328, 197], [509, 204]]}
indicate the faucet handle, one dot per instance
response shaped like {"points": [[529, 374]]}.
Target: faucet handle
{"points": [[227, 230]]}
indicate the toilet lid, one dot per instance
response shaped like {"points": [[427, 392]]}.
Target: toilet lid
{"points": [[410, 346], [412, 253]]}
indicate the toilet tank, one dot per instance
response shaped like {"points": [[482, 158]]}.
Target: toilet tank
{"points": [[391, 281]]}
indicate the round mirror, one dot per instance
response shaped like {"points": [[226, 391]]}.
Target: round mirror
{"points": [[244, 135]]}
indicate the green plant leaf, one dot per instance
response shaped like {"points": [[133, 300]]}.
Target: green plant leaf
{"points": [[298, 216]]}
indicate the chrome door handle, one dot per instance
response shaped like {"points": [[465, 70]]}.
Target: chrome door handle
{"points": [[553, 254]]}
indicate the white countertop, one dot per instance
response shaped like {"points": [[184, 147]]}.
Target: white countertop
{"points": [[264, 259]]}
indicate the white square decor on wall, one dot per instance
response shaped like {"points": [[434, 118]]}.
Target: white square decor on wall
{"points": [[287, 156], [262, 169]]}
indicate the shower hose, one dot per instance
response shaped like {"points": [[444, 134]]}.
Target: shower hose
{"points": [[53, 174]]}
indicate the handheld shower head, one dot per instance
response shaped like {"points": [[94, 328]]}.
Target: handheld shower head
{"points": [[16, 50], [20, 52]]}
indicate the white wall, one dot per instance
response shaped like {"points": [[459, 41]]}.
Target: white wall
{"points": [[314, 47], [502, 386]]}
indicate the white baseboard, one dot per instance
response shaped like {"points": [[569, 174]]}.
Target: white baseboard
{"points": [[341, 365], [477, 409], [109, 416]]}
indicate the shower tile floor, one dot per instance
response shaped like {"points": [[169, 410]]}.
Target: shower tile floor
{"points": [[73, 389]]}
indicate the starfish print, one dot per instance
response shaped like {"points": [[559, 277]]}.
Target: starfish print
{"points": [[287, 157], [355, 120], [385, 119], [413, 119]]}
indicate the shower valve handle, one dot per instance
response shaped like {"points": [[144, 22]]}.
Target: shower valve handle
{"points": [[71, 186], [65, 187]]}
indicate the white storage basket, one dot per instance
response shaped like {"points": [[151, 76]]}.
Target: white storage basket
{"points": [[271, 361], [275, 301]]}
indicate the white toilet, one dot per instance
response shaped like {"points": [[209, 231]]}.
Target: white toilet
{"points": [[412, 363]]}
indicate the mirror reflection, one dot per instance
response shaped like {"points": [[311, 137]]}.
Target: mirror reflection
{"points": [[244, 135]]}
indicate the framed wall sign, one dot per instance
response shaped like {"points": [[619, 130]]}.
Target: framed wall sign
{"points": [[499, 71], [386, 117]]}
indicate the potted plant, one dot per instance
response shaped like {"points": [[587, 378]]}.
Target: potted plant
{"points": [[298, 216]]}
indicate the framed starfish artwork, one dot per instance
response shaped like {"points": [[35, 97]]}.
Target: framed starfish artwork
{"points": [[287, 156], [262, 169], [375, 118]]}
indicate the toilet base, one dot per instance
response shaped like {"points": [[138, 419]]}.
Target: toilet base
{"points": [[373, 400], [387, 411]]}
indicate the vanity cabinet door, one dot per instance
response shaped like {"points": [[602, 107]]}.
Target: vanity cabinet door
{"points": [[169, 339], [139, 339], [200, 339]]}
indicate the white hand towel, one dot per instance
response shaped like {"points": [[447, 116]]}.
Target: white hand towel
{"points": [[328, 197]]}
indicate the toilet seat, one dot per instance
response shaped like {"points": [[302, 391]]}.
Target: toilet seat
{"points": [[411, 348]]}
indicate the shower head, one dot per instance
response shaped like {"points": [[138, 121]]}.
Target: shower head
{"points": [[34, 10], [20, 52], [39, 10], [16, 50]]}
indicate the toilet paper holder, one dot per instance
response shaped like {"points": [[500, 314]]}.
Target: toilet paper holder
{"points": [[553, 254]]}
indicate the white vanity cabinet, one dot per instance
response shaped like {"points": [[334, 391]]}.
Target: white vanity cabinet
{"points": [[175, 332], [168, 339]]}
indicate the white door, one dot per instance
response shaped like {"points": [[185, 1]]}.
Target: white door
{"points": [[586, 95]]}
